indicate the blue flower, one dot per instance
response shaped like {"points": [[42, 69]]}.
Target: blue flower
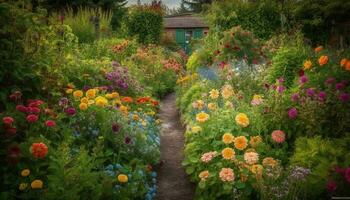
{"points": [[154, 174], [109, 167]]}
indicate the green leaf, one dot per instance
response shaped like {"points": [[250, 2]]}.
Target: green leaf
{"points": [[202, 184], [240, 185]]}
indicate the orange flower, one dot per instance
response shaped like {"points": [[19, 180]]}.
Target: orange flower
{"points": [[127, 100], [143, 100], [204, 175], [307, 65], [347, 65], [255, 141], [228, 153], [343, 62], [323, 60], [228, 138], [318, 49], [39, 150], [241, 142]]}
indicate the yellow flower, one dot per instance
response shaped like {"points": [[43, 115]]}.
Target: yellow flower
{"points": [[115, 95], [37, 184], [212, 106], [307, 65], [242, 119], [144, 123], [78, 94], [158, 121], [255, 141], [241, 142], [228, 153], [101, 101], [135, 117], [196, 129], [109, 96], [151, 113], [269, 161], [123, 109], [257, 97], [214, 94], [25, 172], [91, 93], [22, 186], [202, 117], [91, 101], [68, 91], [83, 106], [84, 100], [204, 175], [227, 91], [228, 138], [257, 170], [122, 178]]}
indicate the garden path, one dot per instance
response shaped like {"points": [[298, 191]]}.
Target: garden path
{"points": [[173, 182]]}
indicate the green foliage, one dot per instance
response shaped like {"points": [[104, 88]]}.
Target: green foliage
{"points": [[145, 24]]}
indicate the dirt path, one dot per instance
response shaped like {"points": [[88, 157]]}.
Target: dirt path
{"points": [[173, 183]]}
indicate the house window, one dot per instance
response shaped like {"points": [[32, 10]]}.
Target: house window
{"points": [[188, 35]]}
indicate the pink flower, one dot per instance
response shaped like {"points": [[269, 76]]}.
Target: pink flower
{"points": [[8, 120], [303, 79], [207, 157], [227, 175], [331, 186], [32, 118], [50, 123], [278, 136], [292, 113], [34, 110], [22, 108], [347, 174]]}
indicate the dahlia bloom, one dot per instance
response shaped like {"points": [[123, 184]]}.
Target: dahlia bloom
{"points": [[278, 136], [251, 157], [227, 175]]}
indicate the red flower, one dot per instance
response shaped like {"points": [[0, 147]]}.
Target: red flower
{"points": [[32, 118], [34, 110], [143, 100], [8, 120], [155, 103], [22, 108], [127, 100], [50, 123], [39, 150], [34, 103], [11, 131], [13, 154]]}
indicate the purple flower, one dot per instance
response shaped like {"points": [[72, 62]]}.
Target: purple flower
{"points": [[339, 86], [322, 96], [329, 81], [70, 111], [292, 113], [281, 80], [303, 79], [295, 97], [280, 89], [115, 128], [299, 173], [331, 186], [127, 140], [63, 102], [344, 97], [310, 92]]}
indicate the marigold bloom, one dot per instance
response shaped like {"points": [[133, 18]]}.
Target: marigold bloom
{"points": [[255, 141], [228, 153], [115, 95], [318, 49], [323, 60], [37, 184], [227, 175], [241, 142], [269, 161], [202, 117], [83, 106], [78, 94], [39, 150], [122, 178], [278, 136], [68, 91], [251, 157], [25, 172], [91, 93], [257, 170], [123, 109], [214, 94], [307, 65], [227, 91], [228, 138], [242, 119], [211, 106], [32, 118], [22, 186], [101, 101], [204, 175], [135, 117], [84, 100]]}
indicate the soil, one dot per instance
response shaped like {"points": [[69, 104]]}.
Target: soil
{"points": [[173, 182]]}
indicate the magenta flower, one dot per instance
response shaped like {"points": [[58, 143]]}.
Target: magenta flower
{"points": [[347, 174], [310, 92], [70, 111], [339, 86], [280, 89], [63, 102], [322, 96], [281, 80], [127, 140], [329, 81], [303, 79], [344, 97], [331, 186], [292, 113], [115, 128], [295, 97]]}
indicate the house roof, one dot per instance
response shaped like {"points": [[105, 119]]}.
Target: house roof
{"points": [[184, 21]]}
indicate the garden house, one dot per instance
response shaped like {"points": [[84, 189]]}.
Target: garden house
{"points": [[185, 27]]}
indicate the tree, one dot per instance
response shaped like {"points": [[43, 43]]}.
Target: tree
{"points": [[196, 5]]}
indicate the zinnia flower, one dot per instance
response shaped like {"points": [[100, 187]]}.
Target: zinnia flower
{"points": [[115, 127], [343, 62], [344, 97], [70, 111], [32, 118], [322, 96], [323, 60], [37, 184], [22, 108], [257, 100], [280, 89], [122, 178], [39, 150], [91, 93], [339, 86], [227, 175], [242, 119], [25, 172], [101, 101], [307, 65], [127, 99], [310, 92], [228, 153], [207, 157], [50, 123], [292, 113], [227, 138], [329, 81], [8, 120], [214, 94], [295, 97], [127, 140], [278, 136], [251, 157], [257, 170], [202, 117], [241, 142], [204, 175], [303, 79]]}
